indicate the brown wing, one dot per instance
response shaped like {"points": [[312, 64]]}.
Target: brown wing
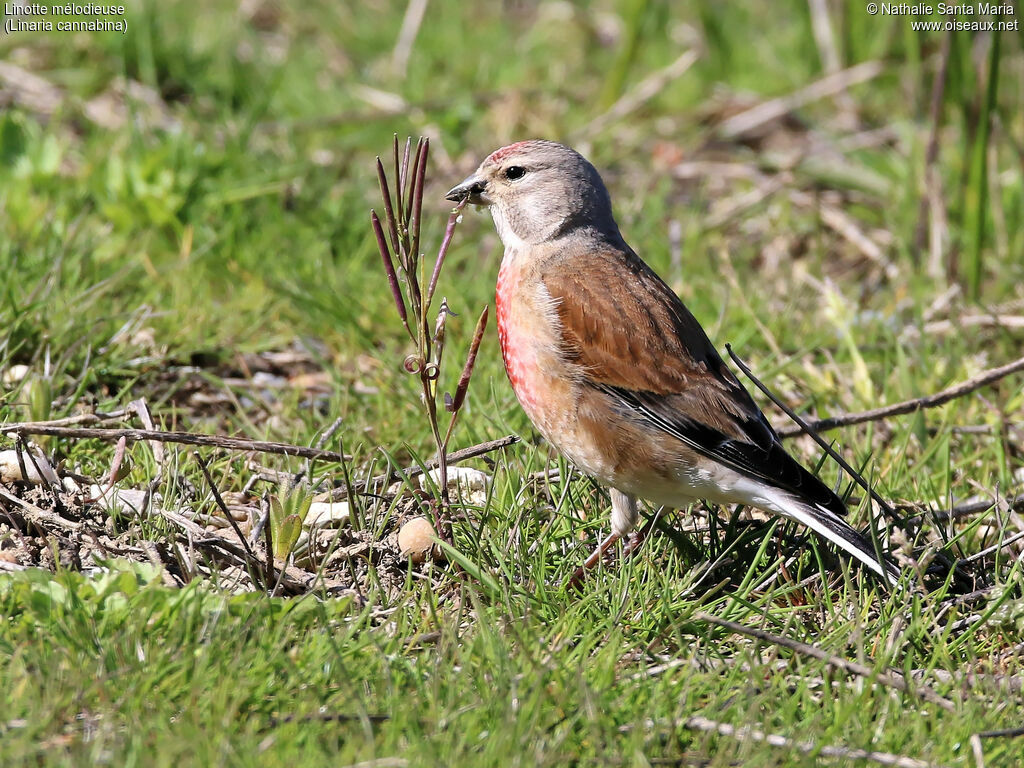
{"points": [[636, 341]]}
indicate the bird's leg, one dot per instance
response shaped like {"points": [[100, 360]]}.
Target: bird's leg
{"points": [[624, 511], [624, 515]]}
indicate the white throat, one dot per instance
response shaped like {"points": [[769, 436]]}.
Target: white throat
{"points": [[508, 236]]}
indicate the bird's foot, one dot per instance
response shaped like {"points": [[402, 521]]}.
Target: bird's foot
{"points": [[634, 541]]}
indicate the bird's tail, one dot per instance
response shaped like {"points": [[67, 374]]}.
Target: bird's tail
{"points": [[835, 529]]}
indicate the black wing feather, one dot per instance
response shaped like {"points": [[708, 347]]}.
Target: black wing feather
{"points": [[762, 457]]}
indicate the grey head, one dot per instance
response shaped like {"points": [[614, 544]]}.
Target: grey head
{"points": [[539, 191]]}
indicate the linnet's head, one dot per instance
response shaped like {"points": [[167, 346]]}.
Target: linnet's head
{"points": [[538, 191]]}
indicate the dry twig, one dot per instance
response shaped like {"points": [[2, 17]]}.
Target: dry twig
{"points": [[994, 548], [40, 516], [1002, 322], [750, 120], [295, 580], [845, 226], [414, 13], [76, 420], [644, 91], [890, 679], [746, 733], [1003, 733], [910, 406], [931, 178], [250, 557], [1012, 684], [967, 509], [452, 458], [186, 438]]}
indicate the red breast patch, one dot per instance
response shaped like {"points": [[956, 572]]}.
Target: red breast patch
{"points": [[518, 348], [501, 304]]}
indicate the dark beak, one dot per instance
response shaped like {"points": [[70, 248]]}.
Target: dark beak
{"points": [[472, 190]]}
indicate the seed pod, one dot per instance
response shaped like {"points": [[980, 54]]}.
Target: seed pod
{"points": [[389, 268], [467, 369]]}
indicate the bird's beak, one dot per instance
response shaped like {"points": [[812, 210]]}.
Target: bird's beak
{"points": [[472, 189]]}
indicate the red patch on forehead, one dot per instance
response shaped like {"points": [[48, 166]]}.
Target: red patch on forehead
{"points": [[500, 154]]}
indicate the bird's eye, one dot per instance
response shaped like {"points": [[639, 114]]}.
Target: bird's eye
{"points": [[514, 172]]}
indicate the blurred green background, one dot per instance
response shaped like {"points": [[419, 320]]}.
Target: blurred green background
{"points": [[206, 177], [838, 195]]}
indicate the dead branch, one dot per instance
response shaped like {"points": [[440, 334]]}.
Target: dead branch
{"points": [[1005, 683], [644, 91], [452, 458], [141, 409], [1003, 733], [76, 420], [746, 122], [185, 438], [295, 580], [994, 548], [932, 152], [969, 508], [39, 516], [846, 227], [414, 13], [745, 733], [935, 327], [258, 446], [250, 557], [891, 679], [910, 406]]}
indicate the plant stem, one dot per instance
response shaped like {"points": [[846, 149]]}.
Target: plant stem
{"points": [[977, 200]]}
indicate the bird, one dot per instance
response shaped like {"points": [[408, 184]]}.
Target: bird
{"points": [[613, 369]]}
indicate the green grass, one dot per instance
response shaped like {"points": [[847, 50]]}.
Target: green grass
{"points": [[142, 260]]}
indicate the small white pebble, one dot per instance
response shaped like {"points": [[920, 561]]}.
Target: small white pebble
{"points": [[15, 373], [325, 513], [468, 484], [39, 472], [129, 501]]}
